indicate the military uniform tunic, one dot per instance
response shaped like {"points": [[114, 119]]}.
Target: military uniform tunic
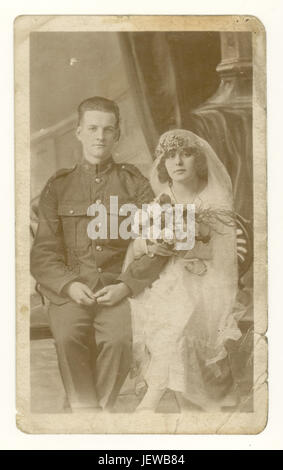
{"points": [[63, 252]]}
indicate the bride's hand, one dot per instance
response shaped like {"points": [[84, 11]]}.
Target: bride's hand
{"points": [[159, 249]]}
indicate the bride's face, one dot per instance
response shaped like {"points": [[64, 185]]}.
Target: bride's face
{"points": [[180, 164]]}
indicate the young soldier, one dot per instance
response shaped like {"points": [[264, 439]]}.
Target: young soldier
{"points": [[92, 330]]}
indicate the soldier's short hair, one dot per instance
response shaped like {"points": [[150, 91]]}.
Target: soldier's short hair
{"points": [[98, 103]]}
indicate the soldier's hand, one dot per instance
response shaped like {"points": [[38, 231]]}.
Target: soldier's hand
{"points": [[80, 293], [112, 294]]}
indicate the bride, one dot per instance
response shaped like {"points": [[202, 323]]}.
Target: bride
{"points": [[182, 322]]}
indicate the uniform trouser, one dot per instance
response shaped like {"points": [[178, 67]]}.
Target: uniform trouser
{"points": [[94, 351]]}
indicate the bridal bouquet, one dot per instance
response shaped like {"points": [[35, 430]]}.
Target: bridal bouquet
{"points": [[206, 222]]}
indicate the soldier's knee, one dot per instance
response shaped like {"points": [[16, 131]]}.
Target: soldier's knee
{"points": [[71, 335], [119, 340]]}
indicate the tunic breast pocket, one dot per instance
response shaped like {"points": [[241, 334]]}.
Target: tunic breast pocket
{"points": [[74, 224], [120, 219]]}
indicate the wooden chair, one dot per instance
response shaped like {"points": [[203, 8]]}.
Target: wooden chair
{"points": [[244, 247]]}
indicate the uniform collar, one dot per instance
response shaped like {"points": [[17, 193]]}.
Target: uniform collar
{"points": [[98, 169]]}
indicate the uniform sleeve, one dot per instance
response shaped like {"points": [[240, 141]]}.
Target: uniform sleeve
{"points": [[145, 194], [143, 271], [139, 185], [47, 255]]}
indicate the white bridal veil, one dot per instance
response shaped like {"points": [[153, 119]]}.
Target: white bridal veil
{"points": [[218, 287]]}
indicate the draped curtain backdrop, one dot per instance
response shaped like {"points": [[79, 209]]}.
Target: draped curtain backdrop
{"points": [[200, 81]]}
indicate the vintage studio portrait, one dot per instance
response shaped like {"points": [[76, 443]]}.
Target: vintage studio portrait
{"points": [[126, 321]]}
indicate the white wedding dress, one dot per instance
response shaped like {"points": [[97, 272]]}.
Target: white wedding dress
{"points": [[182, 322]]}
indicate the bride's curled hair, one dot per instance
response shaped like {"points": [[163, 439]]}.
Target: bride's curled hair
{"points": [[200, 163]]}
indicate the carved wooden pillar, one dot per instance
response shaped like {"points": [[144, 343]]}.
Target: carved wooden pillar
{"points": [[225, 119], [235, 70]]}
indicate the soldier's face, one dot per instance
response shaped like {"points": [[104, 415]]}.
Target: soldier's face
{"points": [[98, 134]]}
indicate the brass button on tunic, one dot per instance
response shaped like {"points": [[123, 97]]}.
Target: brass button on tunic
{"points": [[63, 251]]}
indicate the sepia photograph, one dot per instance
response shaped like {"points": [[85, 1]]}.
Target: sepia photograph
{"points": [[141, 224]]}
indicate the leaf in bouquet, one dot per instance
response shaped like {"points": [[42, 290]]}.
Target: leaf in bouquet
{"points": [[210, 217]]}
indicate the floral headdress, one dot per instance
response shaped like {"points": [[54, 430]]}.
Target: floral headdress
{"points": [[176, 139]]}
